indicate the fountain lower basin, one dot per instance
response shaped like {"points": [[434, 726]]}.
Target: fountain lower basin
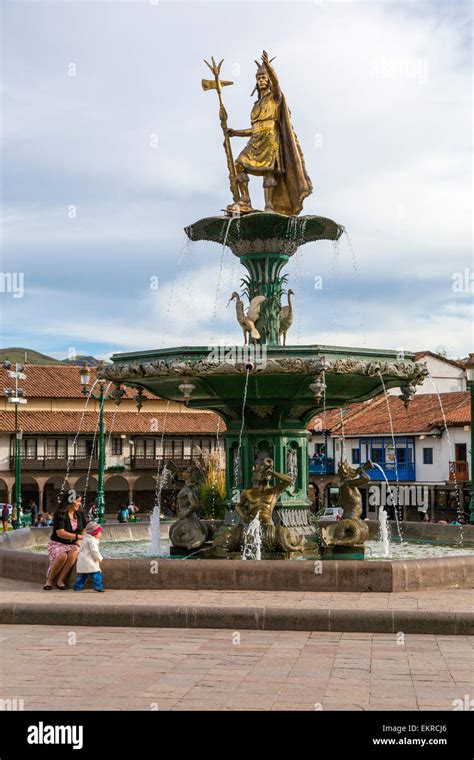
{"points": [[18, 560]]}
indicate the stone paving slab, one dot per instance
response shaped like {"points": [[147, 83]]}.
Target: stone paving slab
{"points": [[168, 669], [457, 600], [439, 612]]}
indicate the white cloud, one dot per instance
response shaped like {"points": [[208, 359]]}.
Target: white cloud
{"points": [[380, 87]]}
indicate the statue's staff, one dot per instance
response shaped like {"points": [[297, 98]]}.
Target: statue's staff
{"points": [[217, 84]]}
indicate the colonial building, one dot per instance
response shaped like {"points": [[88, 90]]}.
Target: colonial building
{"points": [[445, 375], [425, 449], [59, 440]]}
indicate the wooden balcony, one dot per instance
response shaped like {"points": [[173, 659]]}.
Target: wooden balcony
{"points": [[458, 471], [47, 463], [150, 463]]}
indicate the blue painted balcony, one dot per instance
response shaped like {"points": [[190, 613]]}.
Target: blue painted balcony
{"points": [[405, 472], [321, 466]]}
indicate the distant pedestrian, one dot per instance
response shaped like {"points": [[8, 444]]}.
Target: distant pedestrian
{"points": [[89, 559], [41, 521], [123, 514], [34, 510], [14, 515], [5, 515], [92, 513]]}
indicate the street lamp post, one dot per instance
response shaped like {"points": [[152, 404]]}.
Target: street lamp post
{"points": [[101, 397], [470, 379], [16, 396]]}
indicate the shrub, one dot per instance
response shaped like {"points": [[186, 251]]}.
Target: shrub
{"points": [[212, 492]]}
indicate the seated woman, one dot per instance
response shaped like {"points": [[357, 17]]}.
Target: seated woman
{"points": [[69, 525]]}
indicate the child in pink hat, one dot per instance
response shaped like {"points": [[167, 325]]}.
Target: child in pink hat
{"points": [[89, 559]]}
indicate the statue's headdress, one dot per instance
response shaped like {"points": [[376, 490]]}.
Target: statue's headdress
{"points": [[260, 70]]}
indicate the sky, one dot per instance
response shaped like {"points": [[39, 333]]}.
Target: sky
{"points": [[111, 147]]}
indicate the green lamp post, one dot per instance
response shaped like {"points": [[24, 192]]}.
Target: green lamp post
{"points": [[16, 396], [101, 397], [470, 379]]}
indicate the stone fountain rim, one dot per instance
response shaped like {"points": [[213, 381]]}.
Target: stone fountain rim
{"points": [[301, 360], [266, 575]]}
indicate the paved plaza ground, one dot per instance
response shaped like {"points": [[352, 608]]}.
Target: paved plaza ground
{"points": [[170, 669], [230, 669]]}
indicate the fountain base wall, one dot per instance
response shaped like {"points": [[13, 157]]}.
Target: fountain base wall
{"points": [[17, 562]]}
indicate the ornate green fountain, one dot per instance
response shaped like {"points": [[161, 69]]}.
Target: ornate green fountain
{"points": [[266, 393]]}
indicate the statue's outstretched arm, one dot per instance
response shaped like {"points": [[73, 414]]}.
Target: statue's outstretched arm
{"points": [[271, 75], [239, 132], [361, 480]]}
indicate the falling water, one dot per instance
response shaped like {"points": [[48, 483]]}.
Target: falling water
{"points": [[335, 324], [451, 447], [220, 273], [186, 249], [237, 467], [298, 298], [155, 537], [291, 235], [86, 486], [298, 237], [387, 401], [161, 478], [354, 260], [357, 273], [89, 467], [74, 443], [111, 429], [253, 539], [393, 501], [384, 532], [343, 452]]}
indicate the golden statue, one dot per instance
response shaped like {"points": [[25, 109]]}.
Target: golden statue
{"points": [[350, 530], [272, 152], [259, 501], [262, 497]]}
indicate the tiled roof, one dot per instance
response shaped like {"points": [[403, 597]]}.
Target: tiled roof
{"points": [[55, 381], [147, 423], [423, 414], [329, 419]]}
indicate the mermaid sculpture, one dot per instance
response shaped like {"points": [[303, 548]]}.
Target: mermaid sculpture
{"points": [[188, 532], [350, 530]]}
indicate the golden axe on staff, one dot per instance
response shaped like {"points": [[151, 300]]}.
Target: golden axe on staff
{"points": [[217, 84]]}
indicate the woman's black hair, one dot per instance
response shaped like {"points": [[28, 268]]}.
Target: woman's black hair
{"points": [[65, 503]]}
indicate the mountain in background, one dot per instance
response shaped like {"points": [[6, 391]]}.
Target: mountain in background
{"points": [[28, 356]]}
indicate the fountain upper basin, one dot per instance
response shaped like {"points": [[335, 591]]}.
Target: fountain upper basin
{"points": [[279, 377]]}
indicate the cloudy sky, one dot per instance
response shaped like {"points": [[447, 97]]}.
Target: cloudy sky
{"points": [[110, 148]]}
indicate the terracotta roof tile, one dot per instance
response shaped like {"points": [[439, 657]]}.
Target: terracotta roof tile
{"points": [[332, 417], [55, 381], [171, 423], [423, 414]]}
